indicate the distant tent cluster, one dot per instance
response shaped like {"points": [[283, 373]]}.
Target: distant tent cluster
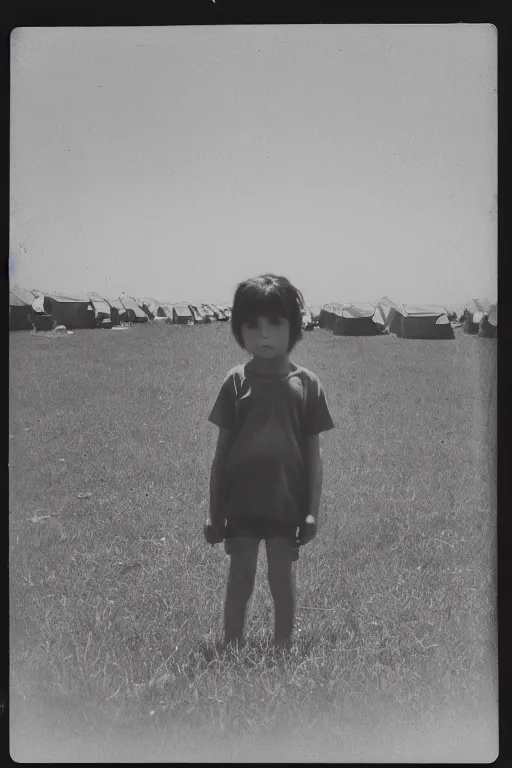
{"points": [[480, 316], [39, 310], [407, 321]]}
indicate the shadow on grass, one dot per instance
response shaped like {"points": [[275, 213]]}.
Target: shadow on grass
{"points": [[262, 650], [252, 649]]}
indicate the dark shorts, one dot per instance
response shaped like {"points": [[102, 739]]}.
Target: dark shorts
{"points": [[243, 531], [261, 528], [277, 546]]}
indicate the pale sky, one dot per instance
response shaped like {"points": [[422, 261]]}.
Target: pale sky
{"points": [[173, 162]]}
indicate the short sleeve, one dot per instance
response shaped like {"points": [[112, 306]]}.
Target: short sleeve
{"points": [[223, 411], [317, 417]]}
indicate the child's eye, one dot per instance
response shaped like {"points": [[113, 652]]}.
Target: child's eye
{"points": [[276, 320]]}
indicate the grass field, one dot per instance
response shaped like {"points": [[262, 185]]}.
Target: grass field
{"points": [[116, 600]]}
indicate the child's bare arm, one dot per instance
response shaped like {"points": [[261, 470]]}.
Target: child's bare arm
{"points": [[308, 528], [315, 476], [215, 516]]}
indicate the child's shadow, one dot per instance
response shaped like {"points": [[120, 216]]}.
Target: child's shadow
{"points": [[261, 651], [254, 652]]}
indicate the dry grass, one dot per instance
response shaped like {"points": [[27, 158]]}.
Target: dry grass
{"points": [[116, 600]]}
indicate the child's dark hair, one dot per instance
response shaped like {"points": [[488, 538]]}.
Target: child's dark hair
{"points": [[269, 296]]}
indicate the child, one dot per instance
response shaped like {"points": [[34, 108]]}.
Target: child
{"points": [[266, 476]]}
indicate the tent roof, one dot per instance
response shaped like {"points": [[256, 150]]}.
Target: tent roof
{"points": [[68, 298], [410, 310], [148, 301], [20, 297], [425, 310], [99, 304], [151, 304], [183, 310], [354, 309], [116, 303], [129, 303], [358, 309], [334, 307]]}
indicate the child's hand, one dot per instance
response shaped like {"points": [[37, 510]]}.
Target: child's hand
{"points": [[213, 533], [307, 531]]}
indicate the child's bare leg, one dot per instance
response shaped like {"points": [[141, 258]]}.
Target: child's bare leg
{"points": [[281, 579], [243, 553]]}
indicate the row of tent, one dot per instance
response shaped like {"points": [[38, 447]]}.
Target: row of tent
{"points": [[44, 311], [405, 320]]}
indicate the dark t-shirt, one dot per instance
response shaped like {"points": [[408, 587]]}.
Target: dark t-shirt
{"points": [[264, 486]]}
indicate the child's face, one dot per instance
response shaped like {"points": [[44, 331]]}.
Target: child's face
{"points": [[267, 337]]}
